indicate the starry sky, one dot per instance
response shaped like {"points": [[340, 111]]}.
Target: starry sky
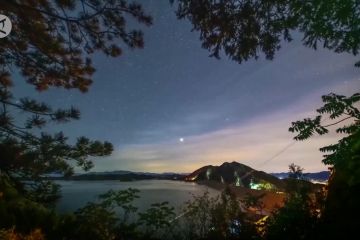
{"points": [[171, 108]]}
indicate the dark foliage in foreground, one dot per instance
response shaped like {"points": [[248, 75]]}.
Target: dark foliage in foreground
{"points": [[340, 214], [244, 29], [51, 45], [113, 216]]}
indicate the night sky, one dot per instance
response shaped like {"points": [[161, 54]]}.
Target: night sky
{"points": [[170, 107]]}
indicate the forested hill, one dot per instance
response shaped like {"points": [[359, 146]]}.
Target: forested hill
{"points": [[237, 174]]}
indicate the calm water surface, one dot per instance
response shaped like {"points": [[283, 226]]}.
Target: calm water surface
{"points": [[76, 194]]}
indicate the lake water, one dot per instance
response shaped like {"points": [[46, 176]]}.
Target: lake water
{"points": [[76, 194]]}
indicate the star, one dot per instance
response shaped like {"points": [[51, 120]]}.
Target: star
{"points": [[181, 139]]}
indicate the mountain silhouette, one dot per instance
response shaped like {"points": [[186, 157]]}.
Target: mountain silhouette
{"points": [[236, 174]]}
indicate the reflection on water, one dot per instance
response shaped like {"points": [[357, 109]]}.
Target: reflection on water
{"points": [[76, 194]]}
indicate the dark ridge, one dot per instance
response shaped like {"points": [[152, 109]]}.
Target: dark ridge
{"points": [[235, 173]]}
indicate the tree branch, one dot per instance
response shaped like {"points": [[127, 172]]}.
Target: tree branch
{"points": [[337, 122]]}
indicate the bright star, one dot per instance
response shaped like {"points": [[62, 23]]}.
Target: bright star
{"points": [[181, 139]]}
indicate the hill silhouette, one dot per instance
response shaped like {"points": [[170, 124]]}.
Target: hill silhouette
{"points": [[236, 174]]}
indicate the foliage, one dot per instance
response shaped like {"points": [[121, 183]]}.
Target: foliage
{"points": [[296, 185], [159, 216], [221, 217], [295, 171], [10, 234], [295, 220], [339, 213], [298, 218], [27, 156], [106, 218], [253, 201], [197, 216], [226, 217], [344, 154], [51, 45], [26, 215], [243, 29], [52, 41], [114, 216]]}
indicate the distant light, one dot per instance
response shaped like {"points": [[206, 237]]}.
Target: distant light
{"points": [[181, 139], [208, 173]]}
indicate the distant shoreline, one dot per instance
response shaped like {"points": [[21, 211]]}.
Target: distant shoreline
{"points": [[126, 177]]}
